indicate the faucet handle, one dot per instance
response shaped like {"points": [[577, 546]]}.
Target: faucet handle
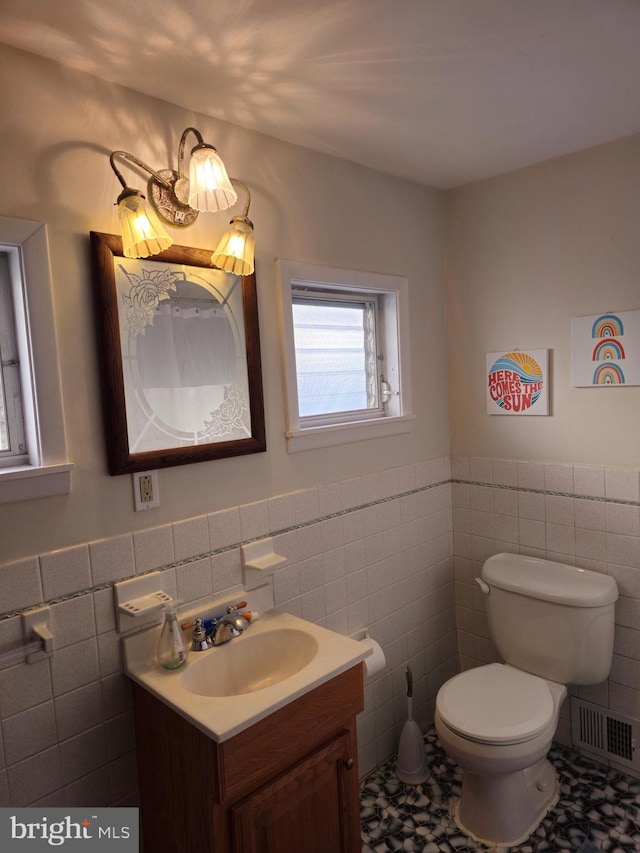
{"points": [[200, 641]]}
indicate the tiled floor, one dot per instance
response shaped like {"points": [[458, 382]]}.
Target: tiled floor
{"points": [[598, 809]]}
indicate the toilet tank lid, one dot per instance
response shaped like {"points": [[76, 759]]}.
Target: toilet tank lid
{"points": [[549, 581]]}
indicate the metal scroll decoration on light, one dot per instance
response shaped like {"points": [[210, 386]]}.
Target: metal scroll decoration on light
{"points": [[176, 199]]}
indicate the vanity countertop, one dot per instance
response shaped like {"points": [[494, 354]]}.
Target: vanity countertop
{"points": [[222, 717]]}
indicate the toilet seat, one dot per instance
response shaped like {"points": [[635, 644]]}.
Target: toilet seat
{"points": [[496, 704]]}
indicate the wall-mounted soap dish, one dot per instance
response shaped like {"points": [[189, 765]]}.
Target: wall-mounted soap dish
{"points": [[139, 601], [259, 561]]}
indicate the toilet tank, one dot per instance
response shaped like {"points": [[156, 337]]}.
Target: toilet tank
{"points": [[550, 619]]}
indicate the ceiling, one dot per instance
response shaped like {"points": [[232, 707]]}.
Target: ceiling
{"points": [[443, 92]]}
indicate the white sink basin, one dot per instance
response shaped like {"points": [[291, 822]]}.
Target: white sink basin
{"points": [[226, 689], [258, 661]]}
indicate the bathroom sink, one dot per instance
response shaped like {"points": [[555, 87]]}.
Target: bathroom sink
{"points": [[228, 688], [249, 663]]}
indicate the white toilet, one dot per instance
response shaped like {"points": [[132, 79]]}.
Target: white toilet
{"points": [[553, 625]]}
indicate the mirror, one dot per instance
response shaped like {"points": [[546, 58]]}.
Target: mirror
{"points": [[180, 358]]}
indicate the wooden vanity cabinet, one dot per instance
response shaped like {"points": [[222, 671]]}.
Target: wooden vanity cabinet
{"points": [[289, 782]]}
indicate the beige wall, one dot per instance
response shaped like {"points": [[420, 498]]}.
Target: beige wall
{"points": [[526, 252], [60, 126]]}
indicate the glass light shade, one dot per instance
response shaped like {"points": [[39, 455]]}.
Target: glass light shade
{"points": [[235, 250], [142, 232], [210, 189]]}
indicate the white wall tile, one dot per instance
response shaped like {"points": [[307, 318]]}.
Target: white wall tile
{"points": [[330, 496], [351, 492], [29, 732], [194, 580], [622, 484], [334, 565], [589, 481], [389, 483], [72, 621], [78, 710], [120, 736], [90, 790], [505, 472], [530, 475], [460, 468], [83, 753], [20, 584], [590, 514], [24, 686], [254, 520], [624, 550], [531, 505], [307, 505], [224, 528], [559, 510], [531, 533], [74, 666], [226, 570], [558, 478], [153, 548], [481, 469], [123, 776], [33, 779], [282, 513], [65, 571], [623, 519], [191, 537], [112, 559], [109, 656], [116, 695], [560, 538]]}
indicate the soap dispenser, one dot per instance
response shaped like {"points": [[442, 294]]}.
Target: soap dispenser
{"points": [[172, 649]]}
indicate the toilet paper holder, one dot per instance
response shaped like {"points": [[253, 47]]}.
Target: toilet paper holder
{"points": [[376, 662]]}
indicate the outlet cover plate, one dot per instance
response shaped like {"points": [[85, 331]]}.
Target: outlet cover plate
{"points": [[146, 492]]}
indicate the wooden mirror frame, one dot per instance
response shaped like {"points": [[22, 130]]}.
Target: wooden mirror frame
{"points": [[106, 247]]}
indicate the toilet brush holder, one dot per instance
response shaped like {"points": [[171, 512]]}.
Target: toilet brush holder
{"points": [[412, 766]]}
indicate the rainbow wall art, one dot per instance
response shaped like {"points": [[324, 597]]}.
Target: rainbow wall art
{"points": [[606, 349], [517, 382]]}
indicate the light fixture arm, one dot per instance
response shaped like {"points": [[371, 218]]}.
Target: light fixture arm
{"points": [[183, 142], [138, 162], [245, 212]]}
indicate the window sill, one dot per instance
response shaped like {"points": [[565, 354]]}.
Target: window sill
{"points": [[27, 482], [327, 436]]}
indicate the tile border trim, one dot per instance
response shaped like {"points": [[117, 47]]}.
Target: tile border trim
{"points": [[10, 614]]}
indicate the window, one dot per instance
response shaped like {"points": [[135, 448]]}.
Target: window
{"points": [[346, 354], [33, 457], [13, 445]]}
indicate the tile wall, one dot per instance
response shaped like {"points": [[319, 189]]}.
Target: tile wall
{"points": [[576, 514], [370, 551]]}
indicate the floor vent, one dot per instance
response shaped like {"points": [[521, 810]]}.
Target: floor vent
{"points": [[598, 730]]}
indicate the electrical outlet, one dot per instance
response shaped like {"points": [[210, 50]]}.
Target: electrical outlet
{"points": [[145, 490]]}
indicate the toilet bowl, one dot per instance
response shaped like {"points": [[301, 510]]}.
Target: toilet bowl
{"points": [[552, 625], [498, 723]]}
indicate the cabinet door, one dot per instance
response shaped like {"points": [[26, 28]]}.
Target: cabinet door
{"points": [[312, 807]]}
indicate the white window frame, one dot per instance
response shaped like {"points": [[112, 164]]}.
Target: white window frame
{"points": [[46, 471], [392, 293]]}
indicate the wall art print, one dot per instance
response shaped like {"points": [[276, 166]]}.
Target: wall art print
{"points": [[517, 382], [606, 349]]}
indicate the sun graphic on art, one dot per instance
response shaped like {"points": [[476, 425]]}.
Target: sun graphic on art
{"points": [[516, 382]]}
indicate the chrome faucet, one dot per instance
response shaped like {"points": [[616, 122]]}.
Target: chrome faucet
{"points": [[216, 632], [200, 641]]}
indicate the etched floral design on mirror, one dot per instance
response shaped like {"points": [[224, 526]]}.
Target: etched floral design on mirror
{"points": [[181, 362]]}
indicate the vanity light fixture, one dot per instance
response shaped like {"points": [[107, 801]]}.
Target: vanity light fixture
{"points": [[176, 199]]}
